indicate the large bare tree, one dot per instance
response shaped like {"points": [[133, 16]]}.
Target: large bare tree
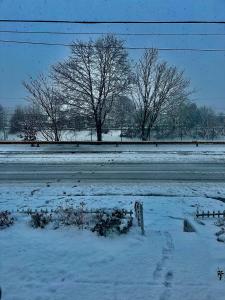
{"points": [[46, 98], [158, 88], [94, 75]]}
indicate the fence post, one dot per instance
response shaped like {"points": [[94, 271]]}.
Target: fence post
{"points": [[142, 219], [138, 209]]}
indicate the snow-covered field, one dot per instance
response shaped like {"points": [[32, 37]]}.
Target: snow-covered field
{"points": [[111, 135], [111, 153], [75, 135], [68, 263]]}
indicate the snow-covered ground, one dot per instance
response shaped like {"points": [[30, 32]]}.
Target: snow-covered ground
{"points": [[107, 153], [75, 135], [68, 263], [88, 135]]}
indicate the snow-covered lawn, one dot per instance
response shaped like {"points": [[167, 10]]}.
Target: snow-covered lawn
{"points": [[67, 148], [68, 263], [111, 153]]}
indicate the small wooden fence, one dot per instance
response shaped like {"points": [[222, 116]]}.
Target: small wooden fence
{"points": [[30, 211], [210, 214], [138, 212]]}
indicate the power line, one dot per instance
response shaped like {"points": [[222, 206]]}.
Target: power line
{"points": [[128, 48], [105, 33], [12, 98], [92, 22], [194, 100]]}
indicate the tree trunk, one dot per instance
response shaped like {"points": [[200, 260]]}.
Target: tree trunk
{"points": [[148, 133], [56, 134], [99, 132], [143, 133]]}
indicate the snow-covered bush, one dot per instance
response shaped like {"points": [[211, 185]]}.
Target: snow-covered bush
{"points": [[125, 225], [115, 221], [220, 222], [102, 221], [70, 216], [5, 219], [221, 238], [40, 219]]}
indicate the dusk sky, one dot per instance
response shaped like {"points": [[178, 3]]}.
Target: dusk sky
{"points": [[205, 70]]}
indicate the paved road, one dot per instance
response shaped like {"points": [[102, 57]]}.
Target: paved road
{"points": [[114, 171]]}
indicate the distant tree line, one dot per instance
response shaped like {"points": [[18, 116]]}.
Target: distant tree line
{"points": [[99, 87], [3, 121]]}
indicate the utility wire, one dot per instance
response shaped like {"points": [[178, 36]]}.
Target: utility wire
{"points": [[20, 101], [105, 33], [128, 48], [91, 22], [12, 98]]}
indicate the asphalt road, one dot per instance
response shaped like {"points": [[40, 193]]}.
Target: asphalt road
{"points": [[177, 171]]}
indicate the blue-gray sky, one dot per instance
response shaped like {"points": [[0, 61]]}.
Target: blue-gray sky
{"points": [[205, 70]]}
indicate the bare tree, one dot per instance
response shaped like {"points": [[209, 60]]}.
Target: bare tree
{"points": [[158, 88], [45, 97], [95, 74], [29, 123]]}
